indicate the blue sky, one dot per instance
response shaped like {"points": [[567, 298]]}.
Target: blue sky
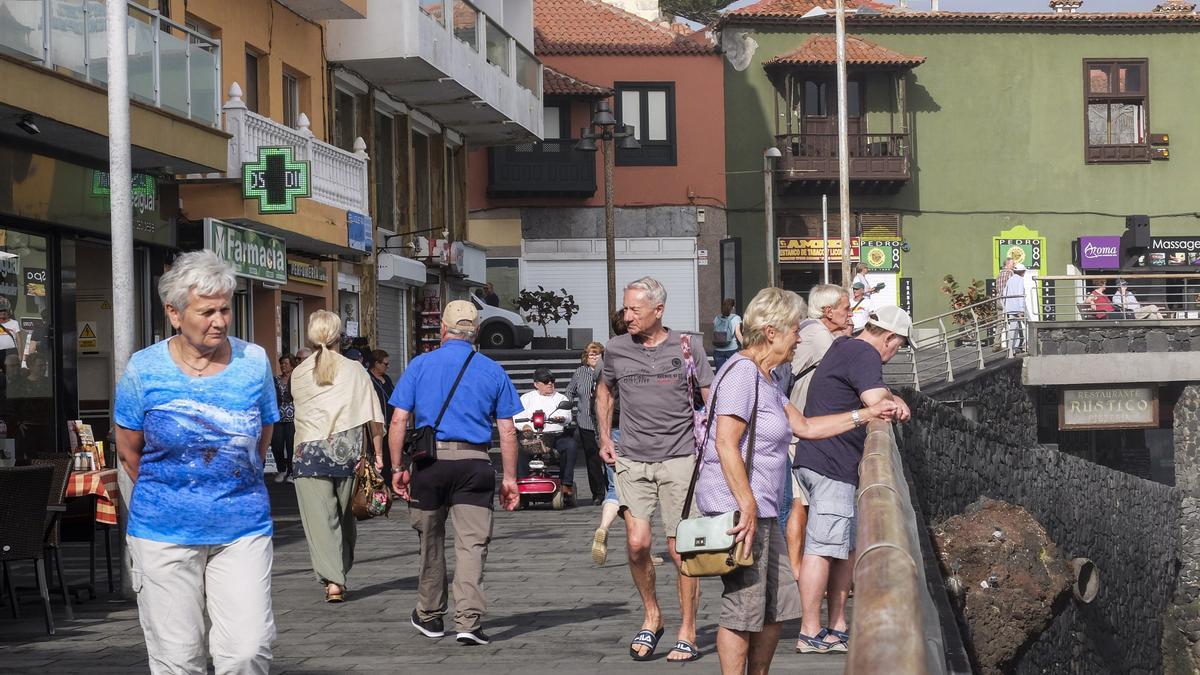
{"points": [[1019, 5]]}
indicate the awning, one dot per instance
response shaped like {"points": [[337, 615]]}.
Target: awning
{"points": [[399, 270]]}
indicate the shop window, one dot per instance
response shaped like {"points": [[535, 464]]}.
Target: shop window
{"points": [[650, 109], [26, 355], [422, 203], [1116, 109], [250, 90], [345, 119], [385, 171], [291, 99]]}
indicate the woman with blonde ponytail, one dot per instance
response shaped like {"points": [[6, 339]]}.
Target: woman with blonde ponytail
{"points": [[337, 414]]}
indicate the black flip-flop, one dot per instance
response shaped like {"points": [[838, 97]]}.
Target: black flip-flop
{"points": [[684, 647], [645, 638]]}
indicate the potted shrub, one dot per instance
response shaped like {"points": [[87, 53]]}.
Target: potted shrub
{"points": [[965, 296], [543, 307]]}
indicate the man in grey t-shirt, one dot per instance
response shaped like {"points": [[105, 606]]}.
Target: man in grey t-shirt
{"points": [[648, 370]]}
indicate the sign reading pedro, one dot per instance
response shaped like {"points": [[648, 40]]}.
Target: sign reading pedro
{"points": [[253, 255], [276, 180], [1109, 408], [1021, 244]]}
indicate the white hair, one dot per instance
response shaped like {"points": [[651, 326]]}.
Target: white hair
{"points": [[201, 271], [822, 296], [653, 290]]}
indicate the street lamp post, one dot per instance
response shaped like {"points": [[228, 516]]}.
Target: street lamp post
{"points": [[769, 156], [602, 128]]}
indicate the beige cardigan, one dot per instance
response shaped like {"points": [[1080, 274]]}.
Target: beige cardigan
{"points": [[322, 411]]}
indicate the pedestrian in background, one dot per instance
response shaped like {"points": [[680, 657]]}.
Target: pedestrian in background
{"points": [[652, 373], [284, 435], [378, 362], [1014, 307], [460, 482], [860, 277], [194, 415], [861, 306], [612, 504], [580, 390], [727, 334], [742, 466], [489, 295], [545, 398], [338, 424], [850, 376]]}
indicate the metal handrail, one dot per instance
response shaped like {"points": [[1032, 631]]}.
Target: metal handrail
{"points": [[896, 627], [1161, 296], [943, 347]]}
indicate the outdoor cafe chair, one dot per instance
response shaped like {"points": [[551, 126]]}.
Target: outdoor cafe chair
{"points": [[23, 491], [62, 462]]}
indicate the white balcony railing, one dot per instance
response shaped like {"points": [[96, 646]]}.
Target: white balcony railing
{"points": [[338, 177], [170, 66]]}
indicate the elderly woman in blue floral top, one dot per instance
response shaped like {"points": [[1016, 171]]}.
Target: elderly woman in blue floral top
{"points": [[337, 416]]}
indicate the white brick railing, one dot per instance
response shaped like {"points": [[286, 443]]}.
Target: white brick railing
{"points": [[338, 178]]}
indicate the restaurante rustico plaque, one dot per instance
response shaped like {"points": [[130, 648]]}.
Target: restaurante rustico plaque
{"points": [[1109, 408]]}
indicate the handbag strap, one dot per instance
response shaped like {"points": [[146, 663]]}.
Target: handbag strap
{"points": [[708, 426], [685, 345], [449, 396]]}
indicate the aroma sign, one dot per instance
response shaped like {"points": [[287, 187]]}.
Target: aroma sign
{"points": [[1109, 408], [1099, 253]]}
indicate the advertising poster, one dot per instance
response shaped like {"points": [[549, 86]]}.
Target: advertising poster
{"points": [[1023, 245]]}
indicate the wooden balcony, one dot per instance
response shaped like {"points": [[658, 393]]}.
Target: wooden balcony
{"points": [[551, 167], [879, 163]]}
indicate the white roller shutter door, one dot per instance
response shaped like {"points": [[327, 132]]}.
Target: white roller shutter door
{"points": [[582, 274], [393, 327]]}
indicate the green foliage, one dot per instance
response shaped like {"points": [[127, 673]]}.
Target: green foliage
{"points": [[545, 307], [962, 297], [700, 11]]}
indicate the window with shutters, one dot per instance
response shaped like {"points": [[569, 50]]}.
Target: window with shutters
{"points": [[649, 107], [1116, 111], [879, 226]]}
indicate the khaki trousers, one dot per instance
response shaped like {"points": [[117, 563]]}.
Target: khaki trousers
{"points": [[472, 534], [175, 583], [329, 525]]}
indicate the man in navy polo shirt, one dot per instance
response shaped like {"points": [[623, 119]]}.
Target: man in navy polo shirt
{"points": [[461, 482]]}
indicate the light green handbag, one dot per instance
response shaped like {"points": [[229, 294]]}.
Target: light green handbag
{"points": [[704, 543]]}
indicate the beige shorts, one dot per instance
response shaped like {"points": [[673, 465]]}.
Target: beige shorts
{"points": [[644, 486], [765, 592], [798, 492]]}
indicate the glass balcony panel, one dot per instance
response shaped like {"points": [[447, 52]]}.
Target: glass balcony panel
{"points": [[465, 19], [24, 30], [204, 82], [140, 38], [173, 73], [97, 42], [435, 9], [66, 37], [527, 70], [497, 46]]}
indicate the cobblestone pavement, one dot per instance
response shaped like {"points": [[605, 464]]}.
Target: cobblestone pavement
{"points": [[549, 609]]}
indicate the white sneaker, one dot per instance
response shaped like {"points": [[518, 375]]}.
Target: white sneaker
{"points": [[280, 476]]}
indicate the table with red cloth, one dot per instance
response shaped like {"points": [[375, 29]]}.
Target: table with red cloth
{"points": [[103, 486]]}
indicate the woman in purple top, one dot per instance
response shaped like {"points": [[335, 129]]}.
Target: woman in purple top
{"points": [[757, 599]]}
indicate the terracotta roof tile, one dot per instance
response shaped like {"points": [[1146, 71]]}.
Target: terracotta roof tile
{"points": [[801, 7], [592, 27], [558, 83], [821, 50]]}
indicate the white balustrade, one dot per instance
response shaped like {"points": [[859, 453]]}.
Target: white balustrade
{"points": [[338, 177]]}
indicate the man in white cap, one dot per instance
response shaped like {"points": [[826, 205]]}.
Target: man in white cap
{"points": [[456, 393], [1015, 308], [849, 377]]}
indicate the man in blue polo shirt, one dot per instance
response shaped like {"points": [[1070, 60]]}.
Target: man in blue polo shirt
{"points": [[461, 482]]}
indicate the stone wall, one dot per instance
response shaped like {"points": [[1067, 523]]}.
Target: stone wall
{"points": [[1181, 643], [1103, 337], [1001, 402], [1128, 526]]}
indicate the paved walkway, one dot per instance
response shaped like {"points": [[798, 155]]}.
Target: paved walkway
{"points": [[550, 609]]}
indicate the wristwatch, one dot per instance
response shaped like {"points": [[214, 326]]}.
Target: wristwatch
{"points": [[856, 419]]}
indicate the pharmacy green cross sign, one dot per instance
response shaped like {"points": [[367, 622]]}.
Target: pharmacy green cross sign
{"points": [[276, 180]]}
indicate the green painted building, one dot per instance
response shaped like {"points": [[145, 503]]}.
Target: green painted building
{"points": [[963, 127]]}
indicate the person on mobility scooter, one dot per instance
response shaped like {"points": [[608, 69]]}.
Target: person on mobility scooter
{"points": [[546, 401]]}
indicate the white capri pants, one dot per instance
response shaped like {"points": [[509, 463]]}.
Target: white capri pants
{"points": [[176, 583]]}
